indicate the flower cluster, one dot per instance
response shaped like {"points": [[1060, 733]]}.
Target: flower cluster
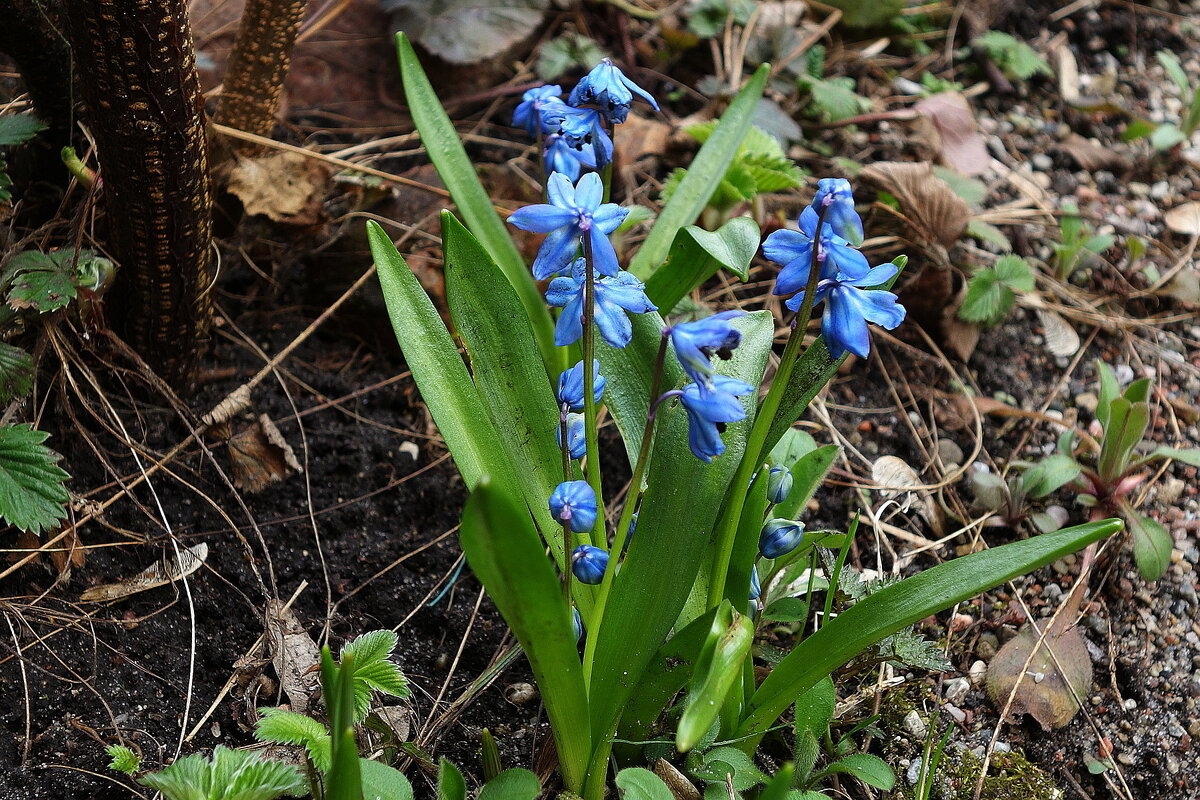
{"points": [[830, 230]]}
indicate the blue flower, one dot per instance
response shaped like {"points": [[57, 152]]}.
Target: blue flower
{"points": [[577, 623], [780, 537], [793, 249], [572, 213], [755, 585], [697, 342], [836, 196], [540, 106], [570, 386], [588, 564], [570, 161], [779, 484], [573, 503], [708, 410], [576, 440], [614, 296], [851, 307], [607, 87], [583, 127]]}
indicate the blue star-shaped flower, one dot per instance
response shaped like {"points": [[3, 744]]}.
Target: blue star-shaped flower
{"points": [[588, 563], [851, 307], [573, 503], [607, 87], [793, 249], [540, 106], [837, 197], [614, 296], [562, 157], [572, 213], [570, 385], [697, 342], [708, 411], [585, 126]]}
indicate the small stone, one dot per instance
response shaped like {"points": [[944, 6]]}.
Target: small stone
{"points": [[1088, 401], [1130, 704], [520, 693], [1042, 162], [1052, 593], [1127, 759], [915, 725], [956, 712], [987, 646], [978, 673], [955, 690], [949, 452]]}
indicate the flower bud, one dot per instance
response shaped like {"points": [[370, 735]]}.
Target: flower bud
{"points": [[573, 503], [576, 623], [779, 484], [570, 386], [588, 564], [576, 440], [780, 537], [755, 585]]}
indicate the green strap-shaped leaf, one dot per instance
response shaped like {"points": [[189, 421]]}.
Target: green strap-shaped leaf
{"points": [[719, 667], [703, 176], [456, 171], [745, 542], [438, 368], [807, 474], [506, 554], [450, 785], [696, 254], [510, 375], [675, 523], [1151, 543], [813, 370], [898, 606]]}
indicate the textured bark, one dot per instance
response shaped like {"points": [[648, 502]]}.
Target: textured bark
{"points": [[136, 68], [258, 65], [30, 36]]}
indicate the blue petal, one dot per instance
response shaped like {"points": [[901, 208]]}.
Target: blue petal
{"points": [[808, 222], [878, 276], [589, 192], [794, 276], [843, 324], [541, 217], [603, 255], [881, 308], [561, 291], [849, 263], [704, 440], [785, 246], [627, 292], [560, 191], [640, 92], [569, 327], [613, 324], [609, 216], [845, 222], [556, 252]]}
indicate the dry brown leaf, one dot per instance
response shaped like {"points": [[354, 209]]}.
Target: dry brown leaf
{"points": [[1184, 287], [958, 138], [260, 455], [1184, 219], [681, 788], [166, 571], [934, 211], [1045, 693], [894, 477], [284, 187], [294, 655], [1060, 338], [1093, 156]]}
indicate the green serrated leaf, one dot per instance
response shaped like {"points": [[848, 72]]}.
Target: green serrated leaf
{"points": [[988, 233], [230, 775], [987, 300], [835, 99], [32, 495], [123, 759], [1016, 59], [19, 128], [1015, 273], [16, 373], [772, 173], [373, 670], [287, 727]]}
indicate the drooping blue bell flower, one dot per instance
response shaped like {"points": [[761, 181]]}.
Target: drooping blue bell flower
{"points": [[614, 296], [588, 564], [540, 106], [584, 127], [570, 161], [570, 386], [576, 440], [697, 342], [709, 410], [779, 484], [850, 307], [573, 503], [755, 585], [793, 249], [572, 213], [780, 537], [607, 87], [837, 198]]}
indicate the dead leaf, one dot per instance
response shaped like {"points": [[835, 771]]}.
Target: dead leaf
{"points": [[1184, 287], [294, 655], [160, 574], [1092, 156], [67, 553], [1060, 338], [933, 210], [960, 336], [1049, 696], [284, 187], [894, 477], [260, 455], [958, 138], [681, 788], [1184, 219]]}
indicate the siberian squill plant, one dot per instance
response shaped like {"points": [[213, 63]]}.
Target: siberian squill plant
{"points": [[657, 579]]}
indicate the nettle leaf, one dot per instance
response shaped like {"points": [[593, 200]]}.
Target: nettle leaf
{"points": [[772, 173], [230, 775], [48, 281], [32, 495], [16, 372], [123, 759], [991, 291], [913, 650], [19, 128], [373, 670], [287, 727], [1016, 59], [834, 99]]}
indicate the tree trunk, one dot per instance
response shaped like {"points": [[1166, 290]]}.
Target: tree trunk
{"points": [[136, 68], [258, 65]]}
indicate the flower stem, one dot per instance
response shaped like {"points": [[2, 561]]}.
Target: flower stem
{"points": [[631, 502], [590, 424], [567, 475], [763, 420]]}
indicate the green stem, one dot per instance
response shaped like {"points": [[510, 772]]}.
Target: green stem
{"points": [[590, 423], [631, 501], [762, 426]]}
